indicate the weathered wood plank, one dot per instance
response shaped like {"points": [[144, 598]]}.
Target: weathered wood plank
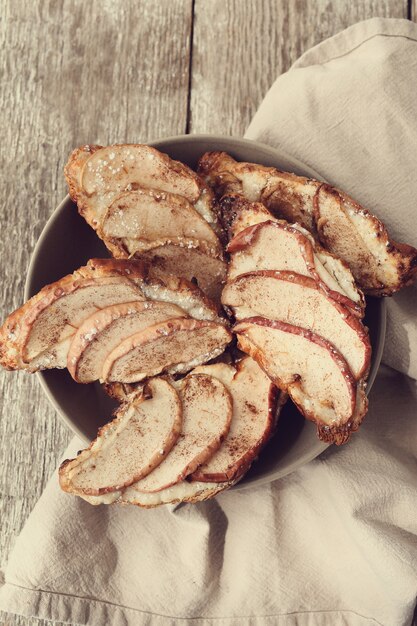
{"points": [[72, 72], [240, 47]]}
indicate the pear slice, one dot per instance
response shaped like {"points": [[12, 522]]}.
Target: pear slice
{"points": [[275, 245]]}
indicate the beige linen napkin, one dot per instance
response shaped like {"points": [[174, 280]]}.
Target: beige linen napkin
{"points": [[335, 542]]}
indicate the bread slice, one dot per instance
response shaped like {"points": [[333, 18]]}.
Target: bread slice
{"points": [[103, 331], [311, 370], [380, 265], [130, 446], [207, 413], [254, 417], [141, 216], [188, 258], [299, 301], [274, 245], [174, 346]]}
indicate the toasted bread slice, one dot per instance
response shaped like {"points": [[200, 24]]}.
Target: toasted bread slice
{"points": [[139, 217], [380, 265], [253, 421], [207, 413], [274, 245], [298, 300], [130, 446], [189, 259], [103, 331], [311, 370], [175, 346]]}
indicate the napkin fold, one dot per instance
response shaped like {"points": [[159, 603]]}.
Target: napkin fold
{"points": [[336, 541]]}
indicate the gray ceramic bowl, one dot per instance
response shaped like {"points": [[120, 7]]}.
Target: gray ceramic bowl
{"points": [[67, 242]]}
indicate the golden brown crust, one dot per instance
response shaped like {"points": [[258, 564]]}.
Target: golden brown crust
{"points": [[14, 331], [200, 496], [380, 265], [401, 257], [74, 174], [341, 434], [120, 391], [74, 167]]}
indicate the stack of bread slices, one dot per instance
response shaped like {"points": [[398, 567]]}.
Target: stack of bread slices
{"points": [[282, 258]]}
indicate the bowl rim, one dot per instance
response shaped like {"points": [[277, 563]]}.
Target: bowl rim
{"points": [[238, 142]]}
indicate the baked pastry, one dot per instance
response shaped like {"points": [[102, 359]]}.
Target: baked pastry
{"points": [[229, 413], [256, 406], [205, 409], [259, 241], [174, 346], [81, 319], [299, 316], [310, 369], [380, 265], [145, 429], [299, 301], [141, 202]]}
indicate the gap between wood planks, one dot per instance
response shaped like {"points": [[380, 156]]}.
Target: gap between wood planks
{"points": [[190, 69]]}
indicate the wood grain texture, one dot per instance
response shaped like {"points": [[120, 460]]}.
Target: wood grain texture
{"points": [[240, 47], [73, 72], [76, 72]]}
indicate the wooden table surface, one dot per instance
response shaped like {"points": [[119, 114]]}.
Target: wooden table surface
{"points": [[106, 71]]}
